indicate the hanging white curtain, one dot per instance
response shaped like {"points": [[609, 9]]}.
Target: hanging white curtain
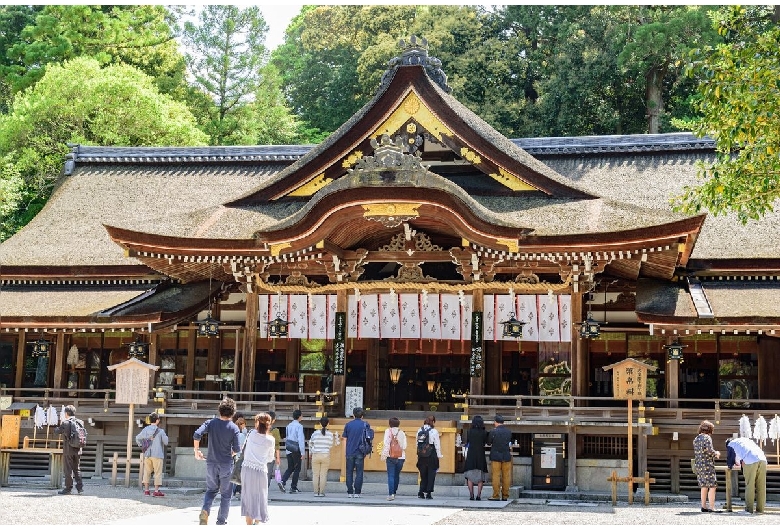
{"points": [[549, 323], [318, 316], [410, 316], [331, 329], [430, 318], [564, 311], [450, 316], [526, 312], [352, 316], [389, 316], [263, 315], [369, 316], [465, 317], [489, 317], [298, 305]]}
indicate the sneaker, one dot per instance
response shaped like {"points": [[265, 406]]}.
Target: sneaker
{"points": [[158, 494], [147, 492], [281, 487], [63, 492], [350, 495], [357, 495], [204, 517], [80, 492], [294, 490], [391, 497]]}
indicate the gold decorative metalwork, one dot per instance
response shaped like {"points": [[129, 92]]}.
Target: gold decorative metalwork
{"points": [[470, 155], [511, 244], [410, 107], [311, 187], [277, 248], [513, 182], [411, 272], [527, 277], [392, 209], [351, 159], [421, 242]]}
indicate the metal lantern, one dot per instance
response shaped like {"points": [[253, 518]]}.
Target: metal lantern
{"points": [[137, 348], [278, 327], [675, 350], [395, 375], [41, 347], [589, 328], [208, 327], [513, 327]]}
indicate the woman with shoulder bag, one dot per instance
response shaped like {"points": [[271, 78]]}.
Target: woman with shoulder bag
{"points": [[394, 455], [319, 448], [258, 451], [428, 454]]}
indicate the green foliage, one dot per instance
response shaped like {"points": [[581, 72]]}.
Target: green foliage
{"points": [[80, 102], [140, 36], [13, 19], [739, 103], [226, 52]]}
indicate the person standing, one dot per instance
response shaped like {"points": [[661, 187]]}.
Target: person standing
{"points": [[155, 455], [354, 431], [428, 454], [71, 456], [274, 431], [240, 421], [258, 452], [223, 444], [475, 466], [320, 444], [293, 433], [394, 455], [745, 453], [704, 463], [500, 459]]}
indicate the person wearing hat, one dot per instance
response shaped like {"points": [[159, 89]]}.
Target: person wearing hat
{"points": [[500, 459], [154, 455]]}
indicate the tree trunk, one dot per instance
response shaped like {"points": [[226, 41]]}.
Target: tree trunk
{"points": [[654, 98]]}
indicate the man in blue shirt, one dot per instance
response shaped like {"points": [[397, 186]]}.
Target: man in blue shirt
{"points": [[223, 444], [355, 459], [745, 452], [293, 433]]}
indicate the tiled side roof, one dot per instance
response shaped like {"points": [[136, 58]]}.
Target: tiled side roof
{"points": [[633, 143]]}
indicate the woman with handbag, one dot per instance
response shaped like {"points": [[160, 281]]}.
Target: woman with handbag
{"points": [[257, 452], [319, 448]]}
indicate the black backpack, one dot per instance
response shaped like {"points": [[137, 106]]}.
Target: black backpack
{"points": [[366, 446], [424, 447], [78, 434]]}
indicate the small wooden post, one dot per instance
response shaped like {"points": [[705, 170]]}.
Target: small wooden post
{"points": [[614, 479], [131, 414], [630, 452]]}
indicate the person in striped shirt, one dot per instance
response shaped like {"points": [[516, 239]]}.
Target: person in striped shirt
{"points": [[319, 448]]}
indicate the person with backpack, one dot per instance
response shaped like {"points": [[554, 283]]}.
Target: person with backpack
{"points": [[394, 455], [428, 454], [356, 449], [152, 440], [223, 445], [75, 435]]}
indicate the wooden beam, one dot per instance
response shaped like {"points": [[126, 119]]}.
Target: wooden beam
{"points": [[250, 342]]}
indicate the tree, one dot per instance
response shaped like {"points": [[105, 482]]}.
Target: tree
{"points": [[80, 102], [141, 36], [13, 19], [226, 52], [739, 100]]}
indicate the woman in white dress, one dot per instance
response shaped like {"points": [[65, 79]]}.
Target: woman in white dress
{"points": [[258, 451]]}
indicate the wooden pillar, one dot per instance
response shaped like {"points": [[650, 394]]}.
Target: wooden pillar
{"points": [[58, 360], [768, 366], [250, 343], [579, 354], [21, 347], [673, 382], [189, 372], [292, 362], [641, 448], [571, 444], [371, 398], [154, 340], [215, 352]]}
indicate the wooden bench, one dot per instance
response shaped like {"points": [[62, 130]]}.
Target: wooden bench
{"points": [[55, 463], [116, 460]]}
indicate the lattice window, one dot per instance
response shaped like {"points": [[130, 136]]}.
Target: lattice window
{"points": [[605, 447]]}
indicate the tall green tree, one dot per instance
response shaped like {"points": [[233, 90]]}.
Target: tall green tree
{"points": [[739, 102], [81, 102], [141, 36], [13, 20], [225, 54]]}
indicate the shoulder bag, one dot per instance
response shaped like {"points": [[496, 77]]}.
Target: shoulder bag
{"points": [[238, 462]]}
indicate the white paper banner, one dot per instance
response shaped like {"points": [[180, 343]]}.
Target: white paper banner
{"points": [[430, 322], [488, 317], [331, 316], [450, 316], [465, 317], [262, 316], [352, 317], [410, 316], [299, 316], [505, 306], [389, 316], [369, 316]]}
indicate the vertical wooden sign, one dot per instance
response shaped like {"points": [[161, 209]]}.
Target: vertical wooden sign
{"points": [[339, 343], [475, 361]]}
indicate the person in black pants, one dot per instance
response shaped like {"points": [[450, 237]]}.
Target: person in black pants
{"points": [[71, 456], [428, 457]]}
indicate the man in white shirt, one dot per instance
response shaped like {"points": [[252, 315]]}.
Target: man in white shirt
{"points": [[745, 453], [293, 433]]}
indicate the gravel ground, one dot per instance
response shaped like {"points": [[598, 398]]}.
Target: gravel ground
{"points": [[101, 504]]}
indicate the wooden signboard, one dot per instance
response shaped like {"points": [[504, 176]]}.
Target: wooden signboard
{"points": [[12, 425], [132, 381], [629, 379]]}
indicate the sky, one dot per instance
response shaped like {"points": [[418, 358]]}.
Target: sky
{"points": [[278, 17]]}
